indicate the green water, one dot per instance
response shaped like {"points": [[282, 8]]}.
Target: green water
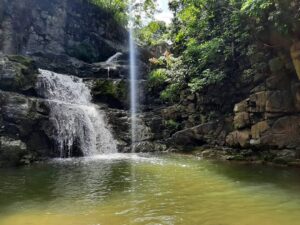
{"points": [[131, 189]]}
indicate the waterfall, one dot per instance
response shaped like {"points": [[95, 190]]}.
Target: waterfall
{"points": [[133, 76], [114, 58], [77, 123]]}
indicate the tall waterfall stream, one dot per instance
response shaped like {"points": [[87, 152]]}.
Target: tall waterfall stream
{"points": [[77, 123]]}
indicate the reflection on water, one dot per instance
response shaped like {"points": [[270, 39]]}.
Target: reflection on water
{"points": [[143, 189]]}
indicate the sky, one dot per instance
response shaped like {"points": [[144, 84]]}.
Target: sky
{"points": [[165, 14]]}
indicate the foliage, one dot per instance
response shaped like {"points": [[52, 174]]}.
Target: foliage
{"points": [[171, 93], [157, 78], [172, 125], [281, 15], [154, 33], [119, 8], [113, 89], [207, 78], [169, 75]]}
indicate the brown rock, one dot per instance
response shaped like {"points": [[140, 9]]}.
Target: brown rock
{"points": [[239, 138], [258, 129], [279, 101], [258, 102], [241, 120], [285, 132], [242, 106], [172, 112], [278, 82], [271, 101]]}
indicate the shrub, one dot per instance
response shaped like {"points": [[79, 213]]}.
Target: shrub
{"points": [[157, 78]]}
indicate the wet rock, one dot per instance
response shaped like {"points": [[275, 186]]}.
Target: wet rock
{"points": [[285, 156], [23, 119], [11, 151], [17, 73], [147, 146]]}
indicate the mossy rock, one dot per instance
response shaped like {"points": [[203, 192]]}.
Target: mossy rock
{"points": [[84, 52], [17, 73], [21, 60], [112, 92]]}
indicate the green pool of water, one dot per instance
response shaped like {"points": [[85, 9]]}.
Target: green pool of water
{"points": [[131, 189]]}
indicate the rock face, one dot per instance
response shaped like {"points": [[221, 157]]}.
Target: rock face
{"points": [[257, 115], [68, 36], [74, 28], [23, 117]]}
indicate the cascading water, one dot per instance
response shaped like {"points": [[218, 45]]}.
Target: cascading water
{"points": [[77, 123], [133, 76]]}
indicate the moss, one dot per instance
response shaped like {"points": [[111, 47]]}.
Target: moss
{"points": [[112, 89], [21, 60], [172, 125], [26, 72]]}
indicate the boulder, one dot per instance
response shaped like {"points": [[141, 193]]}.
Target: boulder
{"points": [[258, 129], [149, 146], [241, 106], [279, 101], [172, 112], [239, 138], [284, 133], [25, 119], [212, 133], [258, 101], [241, 120], [271, 101]]}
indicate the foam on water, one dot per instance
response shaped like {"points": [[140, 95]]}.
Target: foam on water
{"points": [[133, 157]]}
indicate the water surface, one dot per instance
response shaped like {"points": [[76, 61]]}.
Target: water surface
{"points": [[143, 189]]}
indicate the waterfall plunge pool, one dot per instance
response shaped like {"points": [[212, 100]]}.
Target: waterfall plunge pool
{"points": [[148, 189]]}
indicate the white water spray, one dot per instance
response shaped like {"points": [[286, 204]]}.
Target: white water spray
{"points": [[110, 63], [77, 123], [133, 76]]}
